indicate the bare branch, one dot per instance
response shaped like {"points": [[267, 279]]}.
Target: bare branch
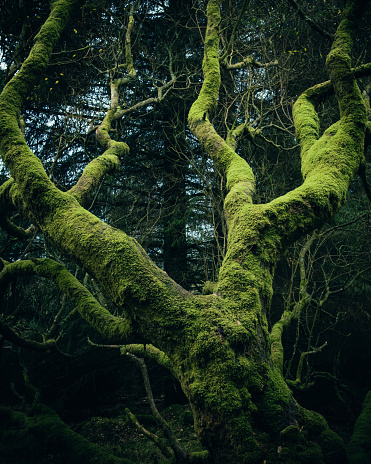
{"points": [[249, 61], [178, 450], [310, 21]]}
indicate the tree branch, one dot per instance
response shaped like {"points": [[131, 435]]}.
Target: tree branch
{"points": [[175, 445], [110, 326], [310, 21], [239, 176], [9, 334], [249, 61], [164, 449]]}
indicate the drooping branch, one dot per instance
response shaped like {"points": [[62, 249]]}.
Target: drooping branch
{"points": [[115, 328], [12, 336]]}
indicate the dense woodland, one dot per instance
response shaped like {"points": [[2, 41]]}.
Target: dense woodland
{"points": [[185, 232]]}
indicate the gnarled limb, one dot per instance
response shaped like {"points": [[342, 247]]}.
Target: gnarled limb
{"points": [[110, 326], [9, 334]]}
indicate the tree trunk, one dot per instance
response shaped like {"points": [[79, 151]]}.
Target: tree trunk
{"points": [[218, 346]]}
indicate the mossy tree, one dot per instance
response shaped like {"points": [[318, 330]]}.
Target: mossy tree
{"points": [[218, 346]]}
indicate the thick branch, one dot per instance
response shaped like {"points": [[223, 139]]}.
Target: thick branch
{"points": [[93, 175], [239, 176], [13, 149], [54, 434], [14, 230], [149, 352], [329, 163], [110, 326]]}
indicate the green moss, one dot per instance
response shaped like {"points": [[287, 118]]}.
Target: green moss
{"points": [[209, 287], [359, 447], [58, 437]]}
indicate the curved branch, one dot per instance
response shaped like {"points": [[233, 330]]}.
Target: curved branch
{"points": [[9, 334], [115, 328], [239, 176], [330, 162], [93, 175], [14, 230], [13, 148], [149, 352], [305, 115], [108, 163]]}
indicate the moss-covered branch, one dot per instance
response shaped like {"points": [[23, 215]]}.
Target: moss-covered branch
{"points": [[109, 162], [14, 230], [149, 352], [49, 428], [239, 176], [102, 133], [331, 161], [9, 334], [22, 164], [112, 327], [93, 175]]}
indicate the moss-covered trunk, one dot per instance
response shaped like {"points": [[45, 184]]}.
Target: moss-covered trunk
{"points": [[218, 346]]}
